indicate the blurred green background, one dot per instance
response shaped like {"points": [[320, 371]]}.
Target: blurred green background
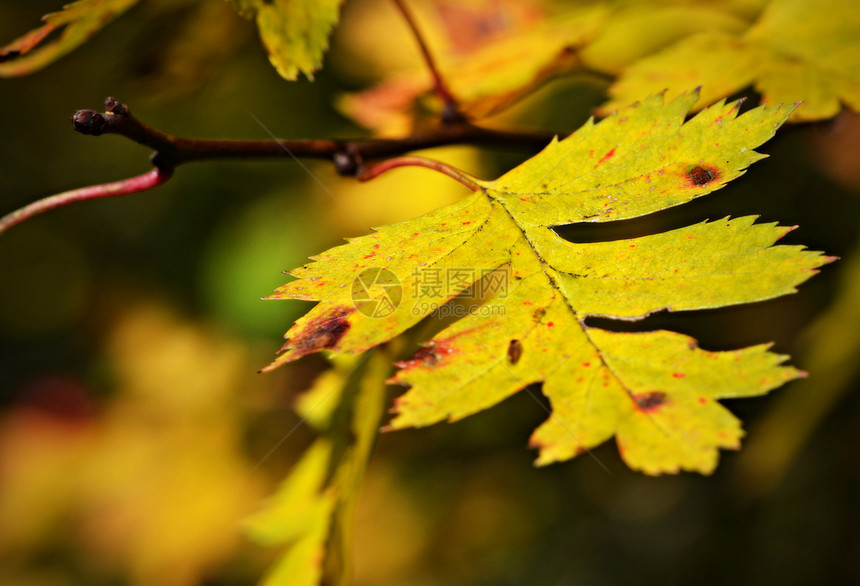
{"points": [[131, 330]]}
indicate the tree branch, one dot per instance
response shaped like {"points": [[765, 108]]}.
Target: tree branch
{"points": [[451, 113], [347, 155]]}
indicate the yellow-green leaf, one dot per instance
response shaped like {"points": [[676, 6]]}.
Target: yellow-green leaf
{"points": [[294, 32], [79, 21], [638, 29], [492, 53], [656, 392], [799, 50], [497, 74], [312, 513], [299, 516]]}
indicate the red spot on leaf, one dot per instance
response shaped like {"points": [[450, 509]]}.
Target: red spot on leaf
{"points": [[703, 401], [606, 157], [586, 364], [320, 333], [466, 223], [702, 175], [550, 324], [650, 401], [678, 375]]}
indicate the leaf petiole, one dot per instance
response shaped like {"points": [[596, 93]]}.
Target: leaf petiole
{"points": [[148, 180], [368, 173]]}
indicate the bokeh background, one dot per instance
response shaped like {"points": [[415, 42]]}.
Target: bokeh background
{"points": [[135, 432]]}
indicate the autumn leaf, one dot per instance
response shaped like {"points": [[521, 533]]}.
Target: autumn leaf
{"points": [[312, 513], [798, 50], [638, 29], [498, 53], [79, 21], [294, 32], [656, 392], [505, 50], [298, 516]]}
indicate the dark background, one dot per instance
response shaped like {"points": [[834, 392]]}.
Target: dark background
{"points": [[92, 293]]}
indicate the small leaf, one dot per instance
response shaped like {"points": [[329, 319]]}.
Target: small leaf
{"points": [[656, 392], [799, 50], [493, 53], [79, 21], [312, 513], [637, 30], [299, 515], [294, 32]]}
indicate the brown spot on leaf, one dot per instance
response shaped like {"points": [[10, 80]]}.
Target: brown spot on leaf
{"points": [[23, 45], [429, 355], [321, 333], [700, 175], [650, 401], [515, 351], [426, 355], [9, 55]]}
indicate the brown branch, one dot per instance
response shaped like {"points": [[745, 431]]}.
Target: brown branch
{"points": [[347, 155], [451, 113]]}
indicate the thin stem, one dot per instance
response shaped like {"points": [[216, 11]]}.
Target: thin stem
{"points": [[348, 155], [451, 113], [378, 169], [148, 180]]}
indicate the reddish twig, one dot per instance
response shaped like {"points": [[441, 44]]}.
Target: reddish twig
{"points": [[451, 113], [368, 173], [348, 156], [148, 180]]}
